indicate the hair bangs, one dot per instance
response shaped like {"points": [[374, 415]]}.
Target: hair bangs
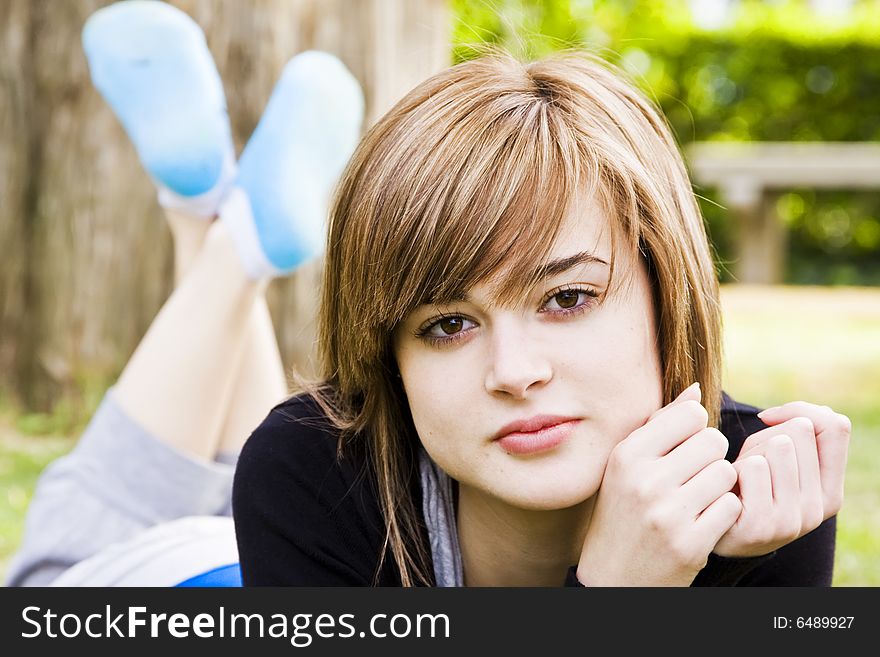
{"points": [[495, 220]]}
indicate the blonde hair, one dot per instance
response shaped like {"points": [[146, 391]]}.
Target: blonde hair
{"points": [[445, 190]]}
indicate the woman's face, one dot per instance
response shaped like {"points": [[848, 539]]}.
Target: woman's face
{"points": [[588, 365]]}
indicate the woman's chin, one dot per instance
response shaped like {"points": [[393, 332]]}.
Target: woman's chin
{"points": [[547, 495]]}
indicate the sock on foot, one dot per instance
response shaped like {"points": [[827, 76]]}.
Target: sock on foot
{"points": [[278, 207], [151, 63]]}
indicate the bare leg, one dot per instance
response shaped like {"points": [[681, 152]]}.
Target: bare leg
{"points": [[188, 232], [260, 382], [179, 381]]}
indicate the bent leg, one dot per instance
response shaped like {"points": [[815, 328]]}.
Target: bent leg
{"points": [[259, 385], [178, 383], [259, 382]]}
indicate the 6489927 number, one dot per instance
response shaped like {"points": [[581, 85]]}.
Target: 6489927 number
{"points": [[823, 622]]}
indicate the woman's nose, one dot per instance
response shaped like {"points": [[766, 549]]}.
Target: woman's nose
{"points": [[516, 362]]}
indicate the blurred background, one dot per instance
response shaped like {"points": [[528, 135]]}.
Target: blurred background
{"points": [[775, 103]]}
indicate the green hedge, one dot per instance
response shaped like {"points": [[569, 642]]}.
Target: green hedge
{"points": [[774, 73]]}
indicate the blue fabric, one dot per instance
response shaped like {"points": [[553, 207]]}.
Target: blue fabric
{"points": [[151, 63], [224, 576], [306, 135]]}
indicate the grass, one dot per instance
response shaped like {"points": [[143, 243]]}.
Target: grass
{"points": [[22, 458], [818, 344], [822, 345]]}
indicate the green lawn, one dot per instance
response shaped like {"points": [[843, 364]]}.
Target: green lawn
{"points": [[822, 345], [21, 460], [817, 344]]}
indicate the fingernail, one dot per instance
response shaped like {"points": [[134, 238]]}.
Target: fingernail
{"points": [[694, 386], [768, 411]]}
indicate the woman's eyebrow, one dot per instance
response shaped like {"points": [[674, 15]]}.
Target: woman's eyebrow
{"points": [[561, 265]]}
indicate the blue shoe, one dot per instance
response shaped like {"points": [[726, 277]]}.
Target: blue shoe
{"points": [[277, 210], [151, 63]]}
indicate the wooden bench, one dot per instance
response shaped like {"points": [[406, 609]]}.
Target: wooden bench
{"points": [[749, 176]]}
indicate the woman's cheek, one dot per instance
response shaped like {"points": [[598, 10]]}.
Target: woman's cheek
{"points": [[431, 397]]}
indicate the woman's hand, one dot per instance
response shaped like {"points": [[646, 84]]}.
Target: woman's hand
{"points": [[790, 478], [664, 503]]}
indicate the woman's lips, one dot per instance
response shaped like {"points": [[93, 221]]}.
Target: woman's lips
{"points": [[541, 440]]}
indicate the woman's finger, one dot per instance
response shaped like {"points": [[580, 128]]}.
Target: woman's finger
{"points": [[665, 432], [701, 490], [692, 392], [748, 536], [718, 518], [694, 454], [781, 456], [755, 485], [833, 432], [803, 435]]}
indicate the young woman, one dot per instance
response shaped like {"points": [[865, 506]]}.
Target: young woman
{"points": [[521, 339]]}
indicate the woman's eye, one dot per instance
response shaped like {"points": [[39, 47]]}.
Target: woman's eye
{"points": [[445, 327], [450, 325], [569, 299]]}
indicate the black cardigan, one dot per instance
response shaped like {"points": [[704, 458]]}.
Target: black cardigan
{"points": [[304, 518]]}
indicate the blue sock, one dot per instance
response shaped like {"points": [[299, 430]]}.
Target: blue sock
{"points": [[278, 208], [151, 63]]}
